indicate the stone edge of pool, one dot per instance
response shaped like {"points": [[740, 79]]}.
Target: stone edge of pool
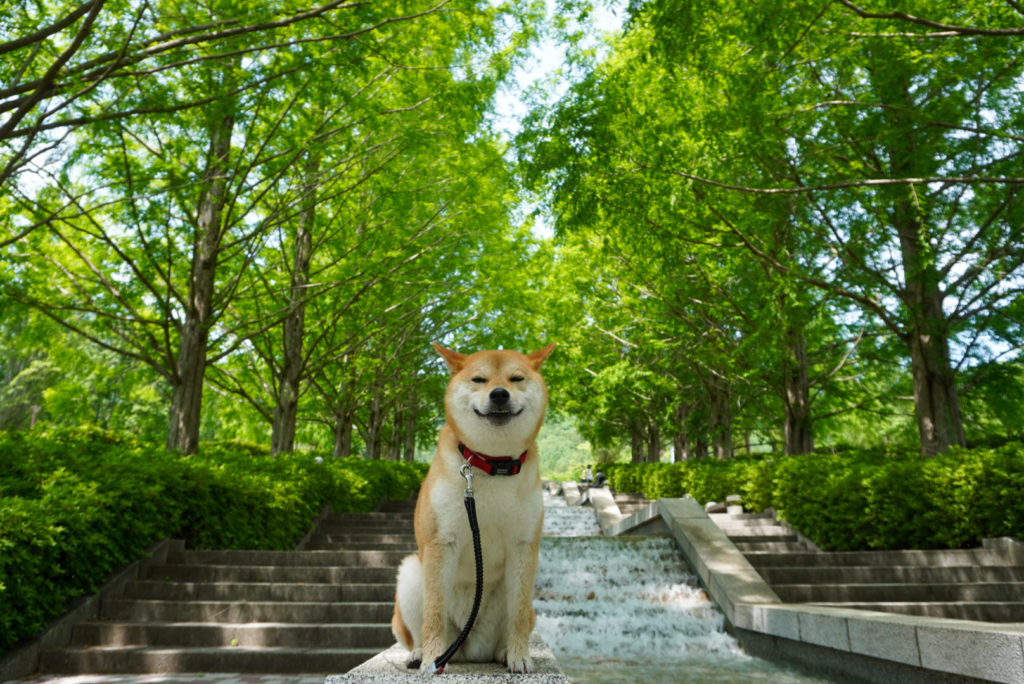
{"points": [[840, 642]]}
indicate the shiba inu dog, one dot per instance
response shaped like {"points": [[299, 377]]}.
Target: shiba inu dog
{"points": [[494, 407]]}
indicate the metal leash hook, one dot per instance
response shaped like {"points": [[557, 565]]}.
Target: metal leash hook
{"points": [[467, 473]]}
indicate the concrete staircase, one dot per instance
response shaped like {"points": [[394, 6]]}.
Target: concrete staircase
{"points": [[323, 609], [630, 503], [970, 584]]}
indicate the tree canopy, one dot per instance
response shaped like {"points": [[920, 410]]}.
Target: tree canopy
{"points": [[787, 226], [819, 195]]}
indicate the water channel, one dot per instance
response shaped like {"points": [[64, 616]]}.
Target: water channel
{"points": [[623, 610]]}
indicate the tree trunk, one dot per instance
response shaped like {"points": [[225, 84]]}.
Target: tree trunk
{"points": [[636, 443], [720, 416], [653, 443], [342, 434], [798, 429], [680, 446], [392, 445], [926, 331], [681, 434], [409, 446], [936, 402], [294, 325], [373, 430], [187, 389]]}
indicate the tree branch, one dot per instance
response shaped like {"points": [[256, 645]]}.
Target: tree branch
{"points": [[950, 29]]}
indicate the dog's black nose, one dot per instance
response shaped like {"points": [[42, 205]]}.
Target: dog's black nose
{"points": [[499, 396]]}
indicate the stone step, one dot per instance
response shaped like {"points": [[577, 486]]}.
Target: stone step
{"points": [[1001, 612], [753, 547], [332, 543], [964, 584], [399, 525], [719, 518], [329, 546], [729, 522], [324, 610], [363, 520], [354, 524], [258, 591], [407, 505], [751, 530], [936, 558], [365, 558], [270, 573], [379, 539], [374, 516], [883, 574], [401, 507], [246, 635], [630, 503], [895, 593], [128, 660], [743, 537], [133, 610], [341, 532]]}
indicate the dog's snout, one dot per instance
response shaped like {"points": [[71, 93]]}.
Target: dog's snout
{"points": [[499, 395]]}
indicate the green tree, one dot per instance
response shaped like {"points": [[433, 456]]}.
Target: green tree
{"points": [[897, 146], [165, 211], [864, 158]]}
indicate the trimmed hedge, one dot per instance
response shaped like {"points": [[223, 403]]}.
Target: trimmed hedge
{"points": [[858, 500], [75, 505]]}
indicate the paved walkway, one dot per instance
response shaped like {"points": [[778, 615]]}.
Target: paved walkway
{"points": [[174, 678]]}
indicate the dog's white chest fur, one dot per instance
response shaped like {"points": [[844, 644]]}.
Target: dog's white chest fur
{"points": [[508, 510]]}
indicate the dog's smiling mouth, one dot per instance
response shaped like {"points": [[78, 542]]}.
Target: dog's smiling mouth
{"points": [[498, 416]]}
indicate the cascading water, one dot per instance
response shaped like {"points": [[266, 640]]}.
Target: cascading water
{"points": [[628, 609]]}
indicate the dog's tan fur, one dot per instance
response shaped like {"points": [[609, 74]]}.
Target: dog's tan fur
{"points": [[436, 585]]}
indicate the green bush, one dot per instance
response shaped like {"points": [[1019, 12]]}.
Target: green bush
{"points": [[859, 500], [77, 504], [704, 479], [820, 495]]}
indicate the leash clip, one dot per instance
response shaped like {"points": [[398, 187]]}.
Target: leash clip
{"points": [[466, 470]]}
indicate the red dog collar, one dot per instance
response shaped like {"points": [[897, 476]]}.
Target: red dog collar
{"points": [[493, 465]]}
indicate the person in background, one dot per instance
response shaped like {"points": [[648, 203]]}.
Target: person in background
{"points": [[588, 476]]}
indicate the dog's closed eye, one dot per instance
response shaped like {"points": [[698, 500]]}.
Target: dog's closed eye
{"points": [[516, 378], [478, 379]]}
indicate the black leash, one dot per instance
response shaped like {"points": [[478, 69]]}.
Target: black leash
{"points": [[439, 664]]}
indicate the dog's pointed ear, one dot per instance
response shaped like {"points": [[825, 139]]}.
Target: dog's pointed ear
{"points": [[537, 358], [453, 359]]}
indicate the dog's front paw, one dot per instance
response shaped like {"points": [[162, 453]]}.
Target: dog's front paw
{"points": [[427, 668], [414, 660], [427, 659], [519, 663]]}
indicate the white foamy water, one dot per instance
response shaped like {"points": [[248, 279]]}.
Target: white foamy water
{"points": [[628, 610], [562, 520]]}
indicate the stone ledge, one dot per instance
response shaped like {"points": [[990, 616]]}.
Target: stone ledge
{"points": [[388, 667], [645, 521], [571, 492], [980, 650], [1013, 549], [605, 507]]}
